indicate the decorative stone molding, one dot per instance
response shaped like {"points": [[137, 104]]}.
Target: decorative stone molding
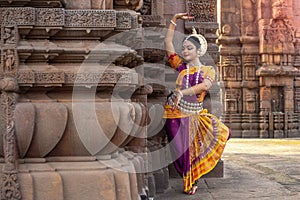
{"points": [[26, 77], [151, 20], [202, 10], [250, 66], [123, 20], [101, 78], [42, 78], [232, 98], [19, 16], [33, 3], [90, 18], [50, 17], [60, 17], [10, 188], [231, 67]]}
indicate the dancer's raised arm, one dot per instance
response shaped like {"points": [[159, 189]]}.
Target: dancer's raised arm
{"points": [[170, 33]]}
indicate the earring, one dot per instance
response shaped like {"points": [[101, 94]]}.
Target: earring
{"points": [[198, 53]]}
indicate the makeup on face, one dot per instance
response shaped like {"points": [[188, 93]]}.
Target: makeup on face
{"points": [[189, 49]]}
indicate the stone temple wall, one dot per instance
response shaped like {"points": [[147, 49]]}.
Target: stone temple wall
{"points": [[259, 67]]}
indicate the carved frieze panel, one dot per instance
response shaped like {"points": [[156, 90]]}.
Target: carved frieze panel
{"points": [[250, 63], [50, 17], [20, 16], [123, 20], [229, 73], [250, 101], [33, 3], [124, 78], [152, 20], [98, 78], [49, 77], [202, 10], [68, 18], [26, 77], [232, 98], [90, 18], [231, 68]]}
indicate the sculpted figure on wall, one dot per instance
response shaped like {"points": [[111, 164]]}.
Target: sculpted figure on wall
{"points": [[279, 35], [8, 60], [9, 35]]}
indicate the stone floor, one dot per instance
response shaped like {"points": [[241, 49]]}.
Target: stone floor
{"points": [[263, 169]]}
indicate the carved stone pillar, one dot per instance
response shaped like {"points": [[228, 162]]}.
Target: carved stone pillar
{"points": [[75, 115], [231, 77], [10, 188]]}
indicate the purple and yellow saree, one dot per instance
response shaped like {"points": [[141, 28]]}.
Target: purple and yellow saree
{"points": [[197, 140]]}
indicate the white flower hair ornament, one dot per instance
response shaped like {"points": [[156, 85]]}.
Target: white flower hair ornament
{"points": [[202, 40]]}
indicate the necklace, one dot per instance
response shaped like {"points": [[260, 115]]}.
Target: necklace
{"points": [[188, 75]]}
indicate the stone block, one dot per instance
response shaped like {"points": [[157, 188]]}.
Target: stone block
{"points": [[89, 185], [47, 186]]}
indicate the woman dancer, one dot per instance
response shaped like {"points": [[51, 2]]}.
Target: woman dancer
{"points": [[197, 137]]}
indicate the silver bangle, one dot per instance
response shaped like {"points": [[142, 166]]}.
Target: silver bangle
{"points": [[172, 22]]}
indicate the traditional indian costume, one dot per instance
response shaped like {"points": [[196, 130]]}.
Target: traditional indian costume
{"points": [[197, 138]]}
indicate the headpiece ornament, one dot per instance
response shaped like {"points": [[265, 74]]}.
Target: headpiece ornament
{"points": [[201, 39]]}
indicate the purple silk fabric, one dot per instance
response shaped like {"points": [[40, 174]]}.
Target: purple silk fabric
{"points": [[178, 135]]}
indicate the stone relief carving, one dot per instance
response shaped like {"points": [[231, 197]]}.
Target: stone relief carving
{"points": [[231, 67], [26, 77], [9, 60], [250, 63], [9, 181], [202, 10], [280, 31], [232, 97], [96, 78], [87, 18], [123, 20], [20, 16], [250, 98], [9, 35], [49, 17], [49, 77], [67, 18]]}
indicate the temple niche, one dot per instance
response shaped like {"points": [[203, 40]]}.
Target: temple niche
{"points": [[265, 41]]}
